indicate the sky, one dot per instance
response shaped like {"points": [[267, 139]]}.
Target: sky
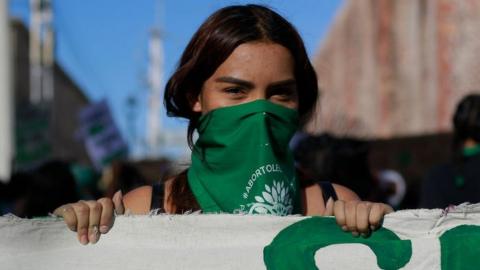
{"points": [[103, 44]]}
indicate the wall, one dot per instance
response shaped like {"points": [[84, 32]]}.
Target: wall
{"points": [[397, 68]]}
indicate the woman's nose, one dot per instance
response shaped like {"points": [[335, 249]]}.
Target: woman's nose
{"points": [[260, 94]]}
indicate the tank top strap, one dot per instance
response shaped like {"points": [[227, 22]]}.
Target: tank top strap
{"points": [[158, 191], [328, 191]]}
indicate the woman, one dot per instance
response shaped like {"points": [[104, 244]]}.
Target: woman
{"points": [[246, 85]]}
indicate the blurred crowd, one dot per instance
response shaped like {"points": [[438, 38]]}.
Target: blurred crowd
{"points": [[324, 157], [38, 191]]}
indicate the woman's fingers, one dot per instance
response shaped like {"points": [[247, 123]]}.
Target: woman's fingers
{"points": [[118, 202], [362, 218], [89, 218], [387, 209], [106, 218], [82, 211], [351, 216], [95, 212], [70, 218], [376, 214], [339, 212], [329, 207]]}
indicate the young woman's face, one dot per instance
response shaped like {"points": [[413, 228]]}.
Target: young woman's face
{"points": [[253, 71]]}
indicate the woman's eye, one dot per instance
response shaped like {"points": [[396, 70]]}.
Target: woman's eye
{"points": [[234, 91], [285, 96], [284, 93]]}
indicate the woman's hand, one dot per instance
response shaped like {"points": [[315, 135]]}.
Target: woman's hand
{"points": [[91, 218], [358, 217]]}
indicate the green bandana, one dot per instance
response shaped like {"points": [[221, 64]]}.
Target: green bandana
{"points": [[241, 162]]}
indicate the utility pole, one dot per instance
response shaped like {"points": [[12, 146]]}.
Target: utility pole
{"points": [[41, 51], [6, 96], [160, 140], [155, 78], [131, 113]]}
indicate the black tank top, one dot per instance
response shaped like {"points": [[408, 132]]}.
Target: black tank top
{"points": [[328, 191], [158, 194]]}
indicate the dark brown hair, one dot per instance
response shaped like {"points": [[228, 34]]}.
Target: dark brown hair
{"points": [[466, 119], [211, 45], [217, 38]]}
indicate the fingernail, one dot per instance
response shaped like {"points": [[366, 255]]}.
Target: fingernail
{"points": [[93, 238], [355, 234], [372, 227], [103, 229], [344, 228], [84, 239]]}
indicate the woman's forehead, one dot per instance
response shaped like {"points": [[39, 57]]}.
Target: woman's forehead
{"points": [[257, 60]]}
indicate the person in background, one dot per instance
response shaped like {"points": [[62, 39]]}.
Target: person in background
{"points": [[87, 180], [341, 160], [459, 180], [122, 176], [38, 192]]}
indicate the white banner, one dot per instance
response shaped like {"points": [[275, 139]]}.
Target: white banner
{"points": [[413, 239]]}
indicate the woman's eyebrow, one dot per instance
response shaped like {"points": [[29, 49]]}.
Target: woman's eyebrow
{"points": [[233, 80], [289, 82]]}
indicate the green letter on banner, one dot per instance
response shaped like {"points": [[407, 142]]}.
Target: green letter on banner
{"points": [[295, 246], [461, 248]]}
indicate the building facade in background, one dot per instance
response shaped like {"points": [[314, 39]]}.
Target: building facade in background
{"points": [[45, 130], [6, 96], [397, 68]]}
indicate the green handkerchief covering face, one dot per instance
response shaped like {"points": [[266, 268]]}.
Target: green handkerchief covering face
{"points": [[241, 162]]}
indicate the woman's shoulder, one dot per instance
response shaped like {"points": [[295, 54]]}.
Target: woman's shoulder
{"points": [[137, 201]]}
